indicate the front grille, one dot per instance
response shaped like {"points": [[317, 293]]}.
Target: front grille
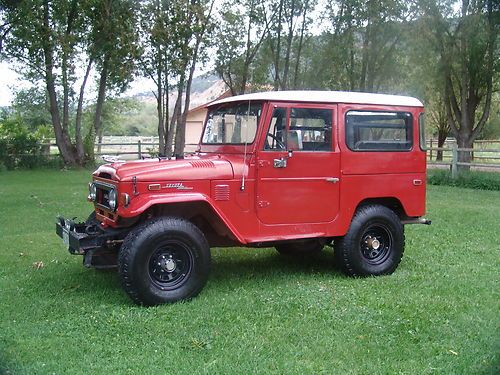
{"points": [[102, 198]]}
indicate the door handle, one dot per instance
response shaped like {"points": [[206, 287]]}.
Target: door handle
{"points": [[333, 180], [280, 163]]}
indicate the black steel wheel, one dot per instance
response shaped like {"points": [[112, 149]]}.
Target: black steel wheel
{"points": [[170, 264], [374, 244], [164, 260], [301, 248]]}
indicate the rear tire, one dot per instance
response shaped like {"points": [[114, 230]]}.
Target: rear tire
{"points": [[164, 260], [374, 244], [301, 248]]}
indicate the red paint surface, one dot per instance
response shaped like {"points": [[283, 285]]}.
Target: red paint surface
{"points": [[280, 203]]}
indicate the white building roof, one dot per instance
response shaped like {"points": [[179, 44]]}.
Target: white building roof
{"points": [[326, 97]]}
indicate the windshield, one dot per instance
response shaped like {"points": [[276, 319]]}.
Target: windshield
{"points": [[233, 124]]}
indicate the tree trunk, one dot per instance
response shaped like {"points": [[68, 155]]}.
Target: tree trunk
{"points": [[62, 138], [100, 98], [464, 156], [301, 41], [179, 128], [173, 122], [278, 49], [80, 151], [285, 80], [442, 134], [159, 109], [166, 118]]}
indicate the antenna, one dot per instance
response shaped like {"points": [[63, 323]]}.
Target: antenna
{"points": [[242, 187]]}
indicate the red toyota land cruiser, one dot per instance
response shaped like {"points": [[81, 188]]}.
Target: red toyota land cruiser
{"points": [[296, 170]]}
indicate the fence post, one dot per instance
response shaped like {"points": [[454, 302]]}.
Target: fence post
{"points": [[139, 149], [430, 156], [454, 160]]}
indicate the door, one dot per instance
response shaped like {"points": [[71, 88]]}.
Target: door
{"points": [[298, 166]]}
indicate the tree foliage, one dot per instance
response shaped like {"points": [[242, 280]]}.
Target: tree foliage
{"points": [[443, 51], [175, 39], [51, 42], [466, 42]]}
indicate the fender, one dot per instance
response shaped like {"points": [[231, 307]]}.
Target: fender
{"points": [[143, 202]]}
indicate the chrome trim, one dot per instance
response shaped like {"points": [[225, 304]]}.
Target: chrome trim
{"points": [[280, 163], [416, 220], [333, 180]]}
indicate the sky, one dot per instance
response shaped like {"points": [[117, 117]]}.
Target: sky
{"points": [[8, 79]]}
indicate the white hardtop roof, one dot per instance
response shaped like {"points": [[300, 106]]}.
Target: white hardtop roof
{"points": [[325, 97]]}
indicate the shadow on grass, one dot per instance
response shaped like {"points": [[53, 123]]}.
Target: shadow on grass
{"points": [[72, 282], [270, 265]]}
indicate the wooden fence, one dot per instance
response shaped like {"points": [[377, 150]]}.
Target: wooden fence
{"points": [[485, 154], [130, 150], [482, 157]]}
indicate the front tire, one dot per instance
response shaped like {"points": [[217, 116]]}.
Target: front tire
{"points": [[164, 260], [374, 244]]}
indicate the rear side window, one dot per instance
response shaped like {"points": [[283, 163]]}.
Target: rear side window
{"points": [[379, 131]]}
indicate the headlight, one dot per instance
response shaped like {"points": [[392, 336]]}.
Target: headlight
{"points": [[112, 199], [92, 192]]}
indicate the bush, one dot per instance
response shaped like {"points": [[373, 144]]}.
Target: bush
{"points": [[18, 147], [471, 180]]}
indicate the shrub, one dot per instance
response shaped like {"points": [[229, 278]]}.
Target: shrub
{"points": [[472, 179], [18, 147]]}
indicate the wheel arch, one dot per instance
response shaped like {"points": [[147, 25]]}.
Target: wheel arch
{"points": [[391, 203], [201, 213]]}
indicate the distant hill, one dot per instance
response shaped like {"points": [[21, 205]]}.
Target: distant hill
{"points": [[204, 89], [144, 121]]}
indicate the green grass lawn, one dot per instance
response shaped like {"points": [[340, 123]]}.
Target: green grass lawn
{"points": [[439, 313]]}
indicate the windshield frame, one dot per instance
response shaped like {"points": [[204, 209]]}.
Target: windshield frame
{"points": [[244, 104]]}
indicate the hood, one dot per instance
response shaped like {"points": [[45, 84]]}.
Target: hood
{"points": [[152, 170]]}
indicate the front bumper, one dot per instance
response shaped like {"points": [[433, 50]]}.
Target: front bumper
{"points": [[98, 245]]}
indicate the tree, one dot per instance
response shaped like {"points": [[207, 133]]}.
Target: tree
{"points": [[113, 48], [31, 105], [436, 113], [291, 24], [43, 36], [194, 23], [466, 44], [365, 37], [175, 39], [52, 41], [114, 113], [244, 27], [157, 62]]}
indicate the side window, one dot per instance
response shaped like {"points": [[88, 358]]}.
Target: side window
{"points": [[276, 134], [310, 129], [379, 131]]}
